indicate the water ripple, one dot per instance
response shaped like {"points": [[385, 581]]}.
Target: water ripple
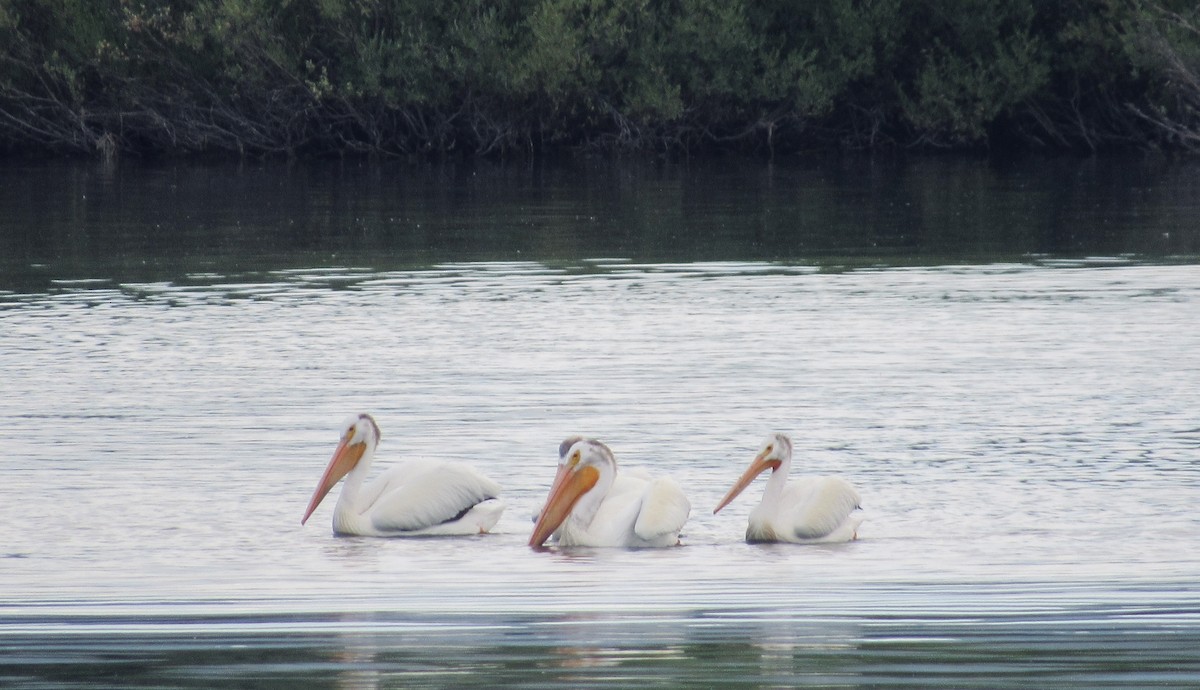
{"points": [[1024, 438]]}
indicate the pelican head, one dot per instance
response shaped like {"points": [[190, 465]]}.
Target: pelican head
{"points": [[776, 453], [360, 435], [565, 446], [585, 466]]}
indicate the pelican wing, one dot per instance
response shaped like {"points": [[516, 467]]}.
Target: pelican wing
{"points": [[632, 476], [818, 506], [418, 495], [664, 509]]}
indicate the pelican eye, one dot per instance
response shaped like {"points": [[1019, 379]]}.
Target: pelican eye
{"points": [[575, 458]]}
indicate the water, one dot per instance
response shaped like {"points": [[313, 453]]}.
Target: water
{"points": [[1014, 394]]}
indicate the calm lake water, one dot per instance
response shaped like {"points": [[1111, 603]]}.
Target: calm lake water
{"points": [[1005, 359]]}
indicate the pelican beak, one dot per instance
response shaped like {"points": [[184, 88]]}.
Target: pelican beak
{"points": [[345, 457], [570, 484], [761, 464]]}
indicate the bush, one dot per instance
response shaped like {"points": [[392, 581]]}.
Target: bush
{"points": [[469, 77]]}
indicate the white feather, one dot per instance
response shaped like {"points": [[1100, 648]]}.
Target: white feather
{"points": [[664, 510], [419, 495], [820, 508]]}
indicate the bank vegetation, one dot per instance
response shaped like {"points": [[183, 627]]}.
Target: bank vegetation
{"points": [[508, 77]]}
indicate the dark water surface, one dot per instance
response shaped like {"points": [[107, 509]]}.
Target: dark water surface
{"points": [[164, 223], [1005, 359]]}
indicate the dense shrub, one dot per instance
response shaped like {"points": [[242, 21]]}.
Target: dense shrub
{"points": [[477, 77]]}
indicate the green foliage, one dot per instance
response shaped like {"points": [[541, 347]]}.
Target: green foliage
{"points": [[980, 60], [1163, 40], [394, 76]]}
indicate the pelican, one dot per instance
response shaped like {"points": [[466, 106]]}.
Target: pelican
{"points": [[809, 510], [589, 504], [414, 498]]}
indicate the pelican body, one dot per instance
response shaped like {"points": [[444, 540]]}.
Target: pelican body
{"points": [[808, 510], [413, 499], [590, 504]]}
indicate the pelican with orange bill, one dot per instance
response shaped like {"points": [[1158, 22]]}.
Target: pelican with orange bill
{"points": [[807, 510], [415, 498], [590, 504]]}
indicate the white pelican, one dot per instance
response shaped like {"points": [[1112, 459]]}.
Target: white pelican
{"points": [[414, 498], [591, 505], [809, 510]]}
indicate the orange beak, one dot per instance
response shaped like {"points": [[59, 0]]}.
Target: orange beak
{"points": [[760, 465], [570, 484], [345, 457]]}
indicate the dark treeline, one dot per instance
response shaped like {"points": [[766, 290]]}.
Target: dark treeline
{"points": [[264, 77]]}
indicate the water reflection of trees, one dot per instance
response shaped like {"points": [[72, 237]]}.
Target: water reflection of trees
{"points": [[172, 223], [628, 650]]}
